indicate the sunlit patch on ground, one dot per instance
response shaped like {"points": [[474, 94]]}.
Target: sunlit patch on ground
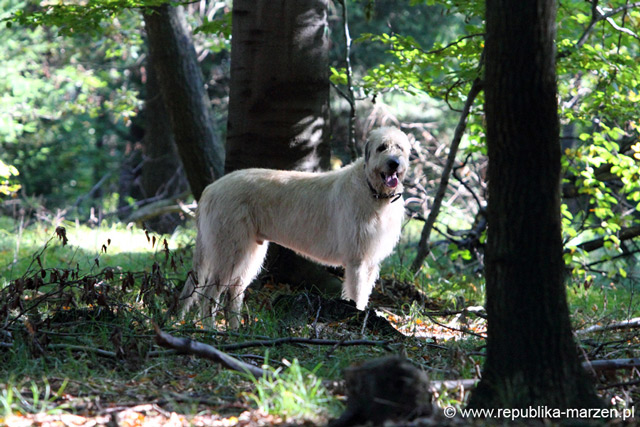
{"points": [[457, 327], [142, 415]]}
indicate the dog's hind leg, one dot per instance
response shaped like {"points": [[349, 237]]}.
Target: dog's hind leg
{"points": [[211, 301], [245, 271]]}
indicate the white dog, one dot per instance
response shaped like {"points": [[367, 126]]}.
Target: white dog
{"points": [[349, 217]]}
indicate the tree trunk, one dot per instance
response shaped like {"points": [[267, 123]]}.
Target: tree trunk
{"points": [[279, 103], [531, 357], [162, 174], [423, 249], [183, 90], [279, 95]]}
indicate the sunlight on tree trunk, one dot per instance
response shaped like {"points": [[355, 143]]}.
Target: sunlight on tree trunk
{"points": [[279, 104]]}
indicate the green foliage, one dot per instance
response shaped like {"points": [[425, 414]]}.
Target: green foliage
{"points": [[77, 18], [599, 91], [8, 184], [65, 104], [338, 76], [219, 26], [440, 72], [469, 9], [427, 23]]}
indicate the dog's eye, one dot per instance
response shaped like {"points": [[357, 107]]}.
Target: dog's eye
{"points": [[382, 148]]}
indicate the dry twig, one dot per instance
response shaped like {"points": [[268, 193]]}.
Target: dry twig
{"points": [[625, 324], [185, 345], [301, 340]]}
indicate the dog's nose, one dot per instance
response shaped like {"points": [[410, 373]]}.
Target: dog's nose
{"points": [[393, 163]]}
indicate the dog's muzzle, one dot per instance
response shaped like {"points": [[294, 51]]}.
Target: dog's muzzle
{"points": [[390, 177]]}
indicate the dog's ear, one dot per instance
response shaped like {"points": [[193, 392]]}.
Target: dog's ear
{"points": [[367, 151]]}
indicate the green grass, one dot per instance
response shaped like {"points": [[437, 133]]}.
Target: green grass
{"points": [[295, 393], [89, 248], [603, 300], [103, 354], [12, 400], [106, 353]]}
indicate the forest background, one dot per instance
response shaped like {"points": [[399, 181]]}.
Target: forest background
{"points": [[76, 152]]}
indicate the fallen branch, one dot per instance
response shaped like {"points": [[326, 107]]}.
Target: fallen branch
{"points": [[597, 365], [477, 310], [439, 386], [187, 346], [127, 209], [625, 324], [612, 364], [218, 333], [300, 340], [161, 207], [86, 349]]}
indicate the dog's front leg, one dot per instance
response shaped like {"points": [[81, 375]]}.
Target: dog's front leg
{"points": [[359, 280]]}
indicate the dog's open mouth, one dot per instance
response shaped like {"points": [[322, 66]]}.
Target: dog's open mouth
{"points": [[390, 181]]}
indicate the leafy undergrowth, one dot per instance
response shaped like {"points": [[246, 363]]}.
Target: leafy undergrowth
{"points": [[77, 344]]}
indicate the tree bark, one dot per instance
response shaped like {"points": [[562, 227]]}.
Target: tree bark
{"points": [[531, 356], [182, 86], [279, 104], [162, 174], [279, 95]]}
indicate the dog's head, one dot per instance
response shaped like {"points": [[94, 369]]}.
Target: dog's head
{"points": [[386, 156]]}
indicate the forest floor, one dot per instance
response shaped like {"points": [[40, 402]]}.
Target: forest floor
{"points": [[78, 348]]}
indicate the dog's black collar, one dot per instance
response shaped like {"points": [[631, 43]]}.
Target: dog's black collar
{"points": [[379, 196]]}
